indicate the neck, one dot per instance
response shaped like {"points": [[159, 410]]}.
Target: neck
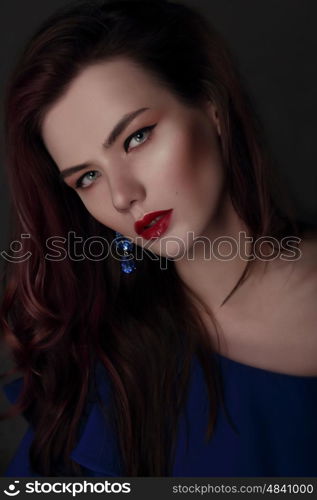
{"points": [[217, 258]]}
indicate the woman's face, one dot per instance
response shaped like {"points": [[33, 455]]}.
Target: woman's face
{"points": [[173, 163]]}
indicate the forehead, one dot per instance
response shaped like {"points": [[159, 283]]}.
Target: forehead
{"points": [[93, 103]]}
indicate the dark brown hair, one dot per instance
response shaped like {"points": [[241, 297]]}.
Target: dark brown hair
{"points": [[61, 318]]}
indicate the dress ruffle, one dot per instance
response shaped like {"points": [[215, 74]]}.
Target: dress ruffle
{"points": [[268, 429], [97, 448]]}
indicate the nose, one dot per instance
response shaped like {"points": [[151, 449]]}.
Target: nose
{"points": [[125, 190]]}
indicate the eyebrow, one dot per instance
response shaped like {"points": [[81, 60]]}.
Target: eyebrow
{"points": [[114, 134]]}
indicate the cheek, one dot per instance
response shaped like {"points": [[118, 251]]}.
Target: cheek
{"points": [[194, 166]]}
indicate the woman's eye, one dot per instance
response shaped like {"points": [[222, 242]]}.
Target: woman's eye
{"points": [[87, 179], [138, 138]]}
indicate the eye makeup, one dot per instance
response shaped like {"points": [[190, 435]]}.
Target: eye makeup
{"points": [[138, 132], [145, 130]]}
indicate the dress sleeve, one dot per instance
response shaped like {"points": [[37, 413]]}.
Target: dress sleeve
{"points": [[20, 465], [96, 449]]}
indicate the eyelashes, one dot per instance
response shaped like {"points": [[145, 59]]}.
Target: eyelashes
{"points": [[80, 183], [137, 133]]}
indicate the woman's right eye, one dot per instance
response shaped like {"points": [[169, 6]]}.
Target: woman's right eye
{"points": [[84, 181]]}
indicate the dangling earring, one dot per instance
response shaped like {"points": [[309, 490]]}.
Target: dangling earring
{"points": [[127, 265]]}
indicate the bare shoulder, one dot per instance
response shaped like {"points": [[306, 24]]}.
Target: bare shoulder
{"points": [[301, 279], [274, 324], [300, 307]]}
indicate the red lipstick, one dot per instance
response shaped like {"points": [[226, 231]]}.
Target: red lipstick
{"points": [[157, 227]]}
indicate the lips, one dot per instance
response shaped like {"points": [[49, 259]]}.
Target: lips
{"points": [[158, 222]]}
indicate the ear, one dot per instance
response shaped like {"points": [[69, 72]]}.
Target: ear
{"points": [[213, 114]]}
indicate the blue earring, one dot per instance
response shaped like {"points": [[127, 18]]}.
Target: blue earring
{"points": [[127, 265]]}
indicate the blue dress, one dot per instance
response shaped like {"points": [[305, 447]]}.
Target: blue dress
{"points": [[272, 432]]}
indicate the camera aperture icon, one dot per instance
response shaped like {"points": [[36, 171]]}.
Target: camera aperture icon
{"points": [[12, 490]]}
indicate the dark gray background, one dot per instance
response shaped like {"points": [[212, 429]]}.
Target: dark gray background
{"points": [[274, 43]]}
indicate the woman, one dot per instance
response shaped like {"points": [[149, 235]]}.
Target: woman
{"points": [[128, 131]]}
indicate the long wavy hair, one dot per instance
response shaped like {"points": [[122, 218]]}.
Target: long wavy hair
{"points": [[61, 317]]}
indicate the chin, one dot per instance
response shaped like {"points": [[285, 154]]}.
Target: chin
{"points": [[173, 246]]}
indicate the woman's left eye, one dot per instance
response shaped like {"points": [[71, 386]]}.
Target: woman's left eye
{"points": [[139, 137]]}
